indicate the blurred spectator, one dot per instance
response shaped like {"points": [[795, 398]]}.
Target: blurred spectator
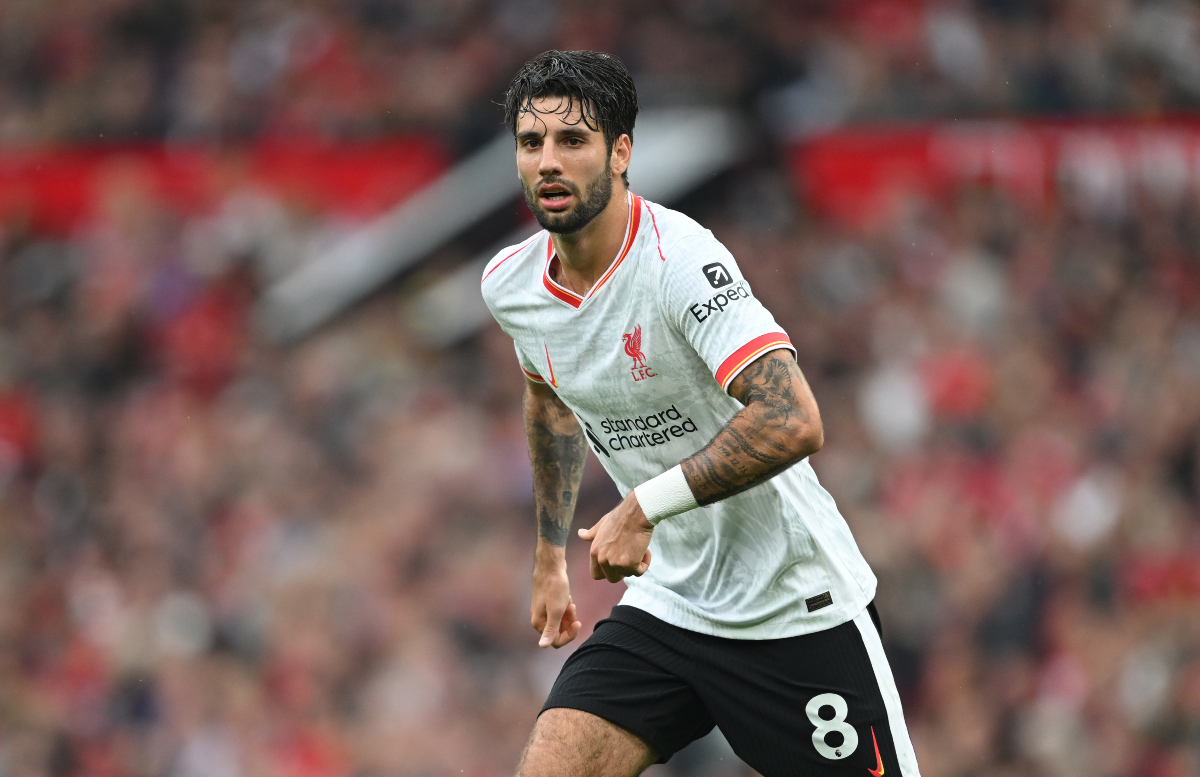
{"points": [[187, 69]]}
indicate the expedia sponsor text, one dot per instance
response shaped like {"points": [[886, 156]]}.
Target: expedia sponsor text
{"points": [[719, 302]]}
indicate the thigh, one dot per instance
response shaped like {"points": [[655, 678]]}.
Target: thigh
{"points": [[822, 703], [634, 672], [569, 741]]}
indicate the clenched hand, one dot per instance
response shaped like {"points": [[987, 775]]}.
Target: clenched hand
{"points": [[620, 541]]}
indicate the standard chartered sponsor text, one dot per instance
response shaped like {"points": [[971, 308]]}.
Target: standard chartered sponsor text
{"points": [[648, 430]]}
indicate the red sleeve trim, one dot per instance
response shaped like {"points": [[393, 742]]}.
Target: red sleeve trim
{"points": [[532, 376], [730, 368]]}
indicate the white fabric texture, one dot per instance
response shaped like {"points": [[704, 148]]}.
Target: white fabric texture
{"points": [[643, 360], [666, 495]]}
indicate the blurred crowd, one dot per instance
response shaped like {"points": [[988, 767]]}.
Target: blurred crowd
{"points": [[223, 557], [188, 69]]}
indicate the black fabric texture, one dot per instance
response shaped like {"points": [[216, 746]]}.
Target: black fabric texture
{"points": [[670, 686]]}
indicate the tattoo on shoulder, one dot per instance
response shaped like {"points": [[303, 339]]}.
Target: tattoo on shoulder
{"points": [[774, 376], [752, 446]]}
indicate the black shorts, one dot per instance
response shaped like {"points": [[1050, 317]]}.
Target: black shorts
{"points": [[821, 703]]}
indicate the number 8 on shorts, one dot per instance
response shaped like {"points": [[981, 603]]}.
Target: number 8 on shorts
{"points": [[836, 723]]}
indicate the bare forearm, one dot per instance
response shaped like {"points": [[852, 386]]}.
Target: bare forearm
{"points": [[779, 426], [557, 451]]}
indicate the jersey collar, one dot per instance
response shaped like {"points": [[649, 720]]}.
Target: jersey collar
{"points": [[571, 298]]}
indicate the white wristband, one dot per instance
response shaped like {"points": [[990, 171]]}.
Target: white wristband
{"points": [[666, 495]]}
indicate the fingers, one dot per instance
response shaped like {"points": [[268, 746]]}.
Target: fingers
{"points": [[614, 572], [558, 631], [568, 628], [593, 561], [603, 569], [601, 566], [550, 632], [643, 566]]}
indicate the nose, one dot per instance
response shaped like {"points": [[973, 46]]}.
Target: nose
{"points": [[548, 164]]}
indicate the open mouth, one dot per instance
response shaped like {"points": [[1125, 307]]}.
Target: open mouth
{"points": [[554, 196]]}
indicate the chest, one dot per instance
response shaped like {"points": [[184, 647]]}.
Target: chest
{"points": [[613, 352]]}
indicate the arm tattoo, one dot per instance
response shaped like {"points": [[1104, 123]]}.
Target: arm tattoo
{"points": [[557, 450], [778, 426]]}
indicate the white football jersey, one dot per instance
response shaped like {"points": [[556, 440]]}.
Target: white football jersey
{"points": [[644, 360]]}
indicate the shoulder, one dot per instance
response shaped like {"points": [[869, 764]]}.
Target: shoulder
{"points": [[509, 262], [678, 236], [684, 248], [667, 227], [678, 240]]}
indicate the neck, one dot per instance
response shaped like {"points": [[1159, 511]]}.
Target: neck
{"points": [[585, 255]]}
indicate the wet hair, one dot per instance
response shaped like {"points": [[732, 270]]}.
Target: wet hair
{"points": [[598, 82]]}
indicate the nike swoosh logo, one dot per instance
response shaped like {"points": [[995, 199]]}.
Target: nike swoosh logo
{"points": [[878, 771]]}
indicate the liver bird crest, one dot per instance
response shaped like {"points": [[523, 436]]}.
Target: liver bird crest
{"points": [[633, 347]]}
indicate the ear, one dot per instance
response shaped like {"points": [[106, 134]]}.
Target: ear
{"points": [[622, 152]]}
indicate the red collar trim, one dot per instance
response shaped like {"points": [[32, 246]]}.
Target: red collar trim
{"points": [[570, 297]]}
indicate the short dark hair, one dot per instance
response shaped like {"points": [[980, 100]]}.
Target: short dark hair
{"points": [[599, 82]]}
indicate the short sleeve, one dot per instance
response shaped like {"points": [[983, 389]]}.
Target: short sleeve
{"points": [[527, 366], [704, 294]]}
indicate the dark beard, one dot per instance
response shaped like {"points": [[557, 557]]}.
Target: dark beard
{"points": [[599, 192]]}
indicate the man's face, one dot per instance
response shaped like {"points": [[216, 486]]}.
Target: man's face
{"points": [[565, 166]]}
